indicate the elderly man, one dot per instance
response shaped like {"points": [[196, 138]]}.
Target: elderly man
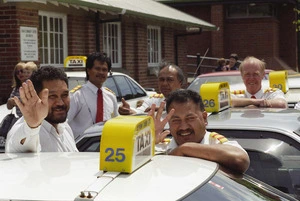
{"points": [[170, 78], [253, 71]]}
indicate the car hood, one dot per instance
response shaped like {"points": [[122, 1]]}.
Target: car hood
{"points": [[62, 176]]}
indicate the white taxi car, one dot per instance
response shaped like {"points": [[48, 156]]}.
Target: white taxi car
{"points": [[76, 176]]}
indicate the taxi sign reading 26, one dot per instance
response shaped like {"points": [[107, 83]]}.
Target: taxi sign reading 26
{"points": [[215, 96], [127, 142]]}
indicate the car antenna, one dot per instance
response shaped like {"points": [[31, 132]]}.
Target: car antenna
{"points": [[195, 74]]}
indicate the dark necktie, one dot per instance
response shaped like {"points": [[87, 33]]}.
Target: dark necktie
{"points": [[253, 97], [99, 116]]}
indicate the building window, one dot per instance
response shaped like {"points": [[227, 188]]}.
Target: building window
{"points": [[52, 38], [154, 46], [112, 42], [251, 10]]}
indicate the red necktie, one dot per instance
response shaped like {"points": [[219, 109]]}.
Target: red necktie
{"points": [[99, 116], [253, 97]]}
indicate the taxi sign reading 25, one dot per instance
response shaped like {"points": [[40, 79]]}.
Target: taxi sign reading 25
{"points": [[215, 96], [127, 142]]}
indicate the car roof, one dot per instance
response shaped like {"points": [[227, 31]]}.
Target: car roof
{"points": [[285, 121], [82, 73], [62, 176]]}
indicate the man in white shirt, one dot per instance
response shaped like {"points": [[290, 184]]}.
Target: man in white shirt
{"points": [[44, 102], [83, 106], [187, 120], [253, 71]]}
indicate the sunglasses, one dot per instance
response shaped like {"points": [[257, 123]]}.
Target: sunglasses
{"points": [[19, 71]]}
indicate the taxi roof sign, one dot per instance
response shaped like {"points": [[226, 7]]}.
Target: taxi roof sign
{"points": [[127, 142], [215, 96], [75, 62], [278, 79]]}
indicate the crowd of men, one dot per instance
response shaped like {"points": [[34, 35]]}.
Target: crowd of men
{"points": [[53, 116]]}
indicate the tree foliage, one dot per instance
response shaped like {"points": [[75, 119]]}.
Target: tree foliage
{"points": [[297, 21]]}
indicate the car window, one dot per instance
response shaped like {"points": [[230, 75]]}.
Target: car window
{"points": [[89, 144], [224, 188], [138, 91], [111, 84], [274, 158], [126, 88]]}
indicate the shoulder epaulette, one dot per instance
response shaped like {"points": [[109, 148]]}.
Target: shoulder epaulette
{"points": [[270, 90], [236, 92], [75, 88], [219, 137], [111, 91], [156, 96]]}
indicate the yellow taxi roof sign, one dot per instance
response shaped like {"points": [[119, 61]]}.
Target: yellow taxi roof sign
{"points": [[127, 142], [75, 62], [215, 96], [278, 79]]}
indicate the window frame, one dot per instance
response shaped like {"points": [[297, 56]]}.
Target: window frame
{"points": [[247, 11], [64, 33], [108, 38], [153, 62]]}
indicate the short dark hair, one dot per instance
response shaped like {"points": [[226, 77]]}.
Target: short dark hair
{"points": [[47, 73], [183, 96], [99, 56], [235, 56]]}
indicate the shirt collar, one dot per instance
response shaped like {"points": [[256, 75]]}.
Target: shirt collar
{"points": [[50, 129], [258, 95], [92, 87]]}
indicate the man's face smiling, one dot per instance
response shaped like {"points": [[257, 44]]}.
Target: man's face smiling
{"points": [[98, 73], [58, 101], [188, 123], [252, 77]]}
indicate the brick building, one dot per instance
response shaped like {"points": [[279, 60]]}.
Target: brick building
{"points": [[259, 28], [137, 34]]}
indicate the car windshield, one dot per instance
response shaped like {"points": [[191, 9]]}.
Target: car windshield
{"points": [[234, 81], [235, 189], [231, 79]]}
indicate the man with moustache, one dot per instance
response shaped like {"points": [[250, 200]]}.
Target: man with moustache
{"points": [[187, 120], [170, 78], [45, 104]]}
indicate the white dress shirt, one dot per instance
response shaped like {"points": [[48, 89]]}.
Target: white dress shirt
{"points": [[83, 107], [268, 94], [44, 138]]}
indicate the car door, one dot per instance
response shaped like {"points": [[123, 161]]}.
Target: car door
{"points": [[274, 157]]}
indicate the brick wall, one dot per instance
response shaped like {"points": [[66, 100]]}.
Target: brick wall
{"points": [[11, 19], [273, 39], [81, 35], [217, 38]]}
